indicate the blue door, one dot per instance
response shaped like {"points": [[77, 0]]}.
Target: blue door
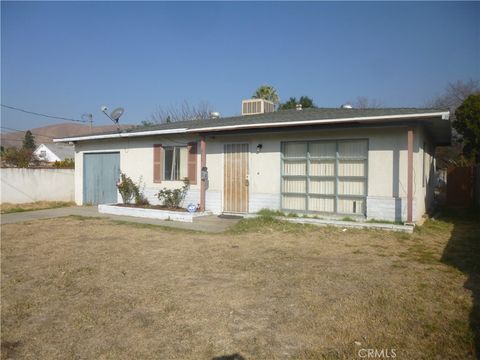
{"points": [[101, 172]]}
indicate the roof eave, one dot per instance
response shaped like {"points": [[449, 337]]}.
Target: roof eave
{"points": [[121, 135], [444, 115]]}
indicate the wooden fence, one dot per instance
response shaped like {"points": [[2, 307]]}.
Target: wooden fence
{"points": [[460, 186]]}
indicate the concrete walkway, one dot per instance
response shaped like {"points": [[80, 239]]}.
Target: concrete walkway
{"points": [[211, 223]]}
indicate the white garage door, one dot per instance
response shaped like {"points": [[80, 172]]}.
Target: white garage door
{"points": [[325, 176]]}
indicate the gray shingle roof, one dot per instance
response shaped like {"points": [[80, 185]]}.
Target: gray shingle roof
{"points": [[283, 116], [63, 151]]}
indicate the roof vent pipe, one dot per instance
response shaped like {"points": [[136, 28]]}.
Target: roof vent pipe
{"points": [[214, 115], [346, 106], [298, 107]]}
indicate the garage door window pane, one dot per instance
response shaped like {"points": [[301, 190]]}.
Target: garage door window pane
{"points": [[321, 204], [325, 187], [350, 206], [293, 202], [294, 185], [352, 149], [291, 167], [325, 149], [322, 168], [295, 150], [351, 187], [351, 168]]}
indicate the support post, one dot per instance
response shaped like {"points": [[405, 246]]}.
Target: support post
{"points": [[203, 164], [410, 175]]}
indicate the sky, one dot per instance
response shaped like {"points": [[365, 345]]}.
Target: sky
{"points": [[70, 58]]}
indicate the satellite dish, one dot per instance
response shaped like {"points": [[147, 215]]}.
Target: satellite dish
{"points": [[115, 115]]}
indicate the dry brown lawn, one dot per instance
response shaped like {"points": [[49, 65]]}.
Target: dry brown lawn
{"points": [[85, 288]]}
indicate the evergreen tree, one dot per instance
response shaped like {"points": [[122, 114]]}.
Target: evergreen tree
{"points": [[29, 141], [467, 124]]}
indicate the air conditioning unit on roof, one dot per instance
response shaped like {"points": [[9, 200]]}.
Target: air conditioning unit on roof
{"points": [[257, 106]]}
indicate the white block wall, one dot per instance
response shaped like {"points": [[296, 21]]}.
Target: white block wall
{"points": [[193, 196], [260, 201], [31, 185], [388, 208]]}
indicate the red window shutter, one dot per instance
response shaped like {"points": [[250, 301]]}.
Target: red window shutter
{"points": [[192, 162], [157, 163]]}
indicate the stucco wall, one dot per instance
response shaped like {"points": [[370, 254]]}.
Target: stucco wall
{"points": [[30, 185], [387, 166], [136, 160]]}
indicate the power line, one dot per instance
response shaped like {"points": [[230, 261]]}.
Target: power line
{"points": [[44, 115], [24, 131]]}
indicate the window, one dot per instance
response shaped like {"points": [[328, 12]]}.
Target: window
{"points": [[43, 153], [325, 176], [175, 163]]}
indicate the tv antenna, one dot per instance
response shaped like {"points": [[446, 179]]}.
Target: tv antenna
{"points": [[88, 118]]}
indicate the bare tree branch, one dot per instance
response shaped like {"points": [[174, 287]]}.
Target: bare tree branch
{"points": [[455, 94], [364, 102], [183, 112]]}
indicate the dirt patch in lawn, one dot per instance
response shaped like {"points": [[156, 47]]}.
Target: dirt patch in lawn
{"points": [[90, 288]]}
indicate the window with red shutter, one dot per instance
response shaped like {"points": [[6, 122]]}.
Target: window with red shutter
{"points": [[157, 163], [192, 162]]}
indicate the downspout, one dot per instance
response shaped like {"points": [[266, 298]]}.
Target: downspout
{"points": [[410, 175], [203, 165]]}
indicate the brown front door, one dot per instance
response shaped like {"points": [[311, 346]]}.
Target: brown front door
{"points": [[235, 189]]}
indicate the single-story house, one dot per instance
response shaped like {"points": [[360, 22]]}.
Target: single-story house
{"points": [[370, 163], [54, 152]]}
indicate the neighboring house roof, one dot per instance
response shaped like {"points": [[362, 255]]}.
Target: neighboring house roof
{"points": [[305, 117], [61, 151]]}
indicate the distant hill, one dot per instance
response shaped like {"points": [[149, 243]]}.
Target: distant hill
{"points": [[46, 134]]}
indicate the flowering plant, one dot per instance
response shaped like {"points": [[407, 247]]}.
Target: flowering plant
{"points": [[173, 198], [127, 188]]}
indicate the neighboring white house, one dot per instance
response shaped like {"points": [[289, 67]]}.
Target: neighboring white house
{"points": [[370, 163], [54, 152]]}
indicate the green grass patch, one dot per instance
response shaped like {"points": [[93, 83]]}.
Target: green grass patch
{"points": [[268, 224], [422, 254], [375, 221], [8, 208], [270, 213]]}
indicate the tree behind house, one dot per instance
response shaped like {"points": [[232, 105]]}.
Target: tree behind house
{"points": [[21, 158], [29, 141], [183, 112], [267, 92], [467, 124], [364, 102], [292, 102], [455, 94]]}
